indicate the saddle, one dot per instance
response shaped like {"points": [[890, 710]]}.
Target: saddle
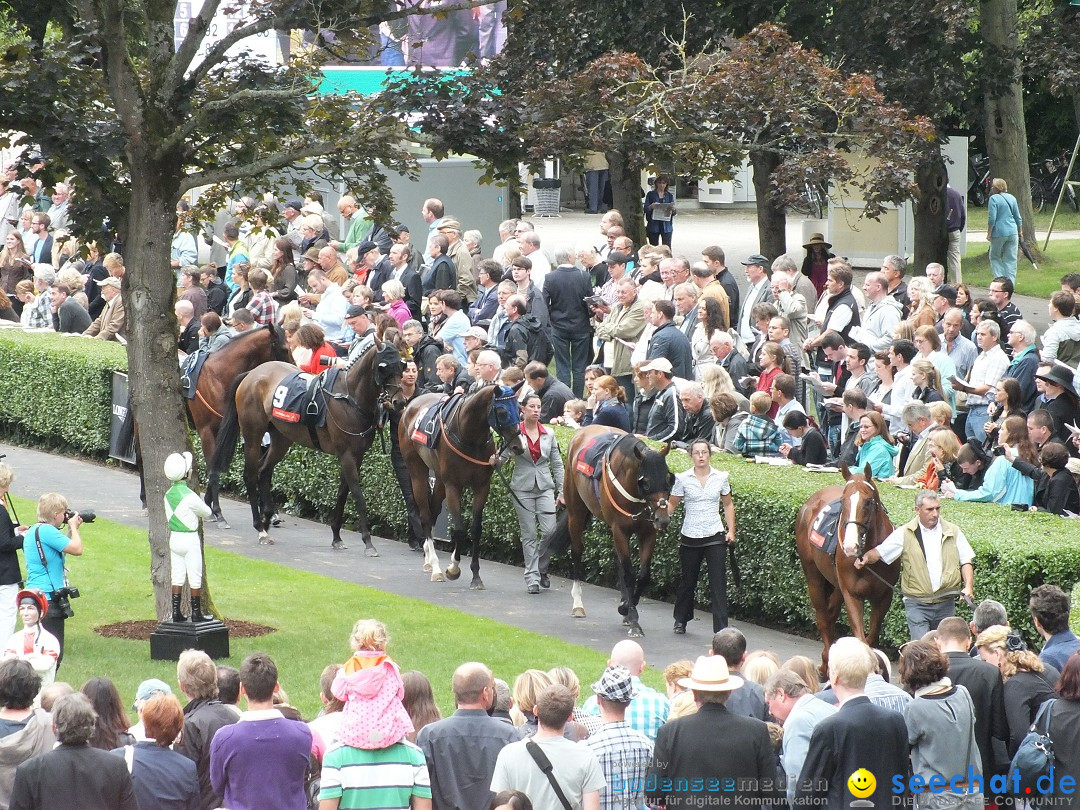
{"points": [[190, 370], [824, 533], [589, 460], [301, 398], [429, 422]]}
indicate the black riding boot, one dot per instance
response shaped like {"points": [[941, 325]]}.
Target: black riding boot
{"points": [[196, 607], [177, 616]]}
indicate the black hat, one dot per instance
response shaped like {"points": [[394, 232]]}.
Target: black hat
{"points": [[757, 258], [355, 311], [948, 292], [1060, 374], [617, 257], [365, 246], [297, 204]]}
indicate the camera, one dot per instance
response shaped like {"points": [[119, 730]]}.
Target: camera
{"points": [[61, 600], [89, 516]]}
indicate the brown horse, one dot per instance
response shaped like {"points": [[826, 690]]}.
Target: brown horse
{"points": [[631, 497], [353, 400], [205, 409], [461, 459], [832, 579]]}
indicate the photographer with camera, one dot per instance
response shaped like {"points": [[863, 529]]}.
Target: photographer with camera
{"points": [[45, 548]]}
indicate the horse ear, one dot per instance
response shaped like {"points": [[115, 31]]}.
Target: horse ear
{"points": [[844, 471], [517, 386], [665, 450], [867, 472], [378, 343]]}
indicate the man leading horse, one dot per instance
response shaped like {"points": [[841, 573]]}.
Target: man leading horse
{"points": [[937, 564]]}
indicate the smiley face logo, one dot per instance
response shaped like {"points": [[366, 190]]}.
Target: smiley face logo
{"points": [[861, 783]]}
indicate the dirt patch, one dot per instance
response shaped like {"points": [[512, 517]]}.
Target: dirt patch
{"points": [[141, 630]]}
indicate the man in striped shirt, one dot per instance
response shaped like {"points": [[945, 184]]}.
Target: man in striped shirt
{"points": [[393, 778]]}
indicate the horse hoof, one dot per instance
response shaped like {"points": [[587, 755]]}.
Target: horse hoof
{"points": [[623, 609], [266, 540], [223, 524], [427, 570], [437, 577], [370, 551], [453, 573], [276, 520], [477, 585], [338, 545], [578, 613], [417, 547], [635, 632]]}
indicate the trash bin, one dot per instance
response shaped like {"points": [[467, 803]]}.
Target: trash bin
{"points": [[548, 192]]}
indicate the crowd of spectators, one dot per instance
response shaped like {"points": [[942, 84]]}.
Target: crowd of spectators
{"points": [[539, 740]]}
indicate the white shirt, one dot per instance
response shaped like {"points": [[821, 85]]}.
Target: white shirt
{"points": [[330, 311], [893, 546], [903, 392], [540, 267], [701, 504], [746, 329]]}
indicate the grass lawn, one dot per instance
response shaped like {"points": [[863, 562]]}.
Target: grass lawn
{"points": [[1067, 219], [1062, 257], [313, 616]]}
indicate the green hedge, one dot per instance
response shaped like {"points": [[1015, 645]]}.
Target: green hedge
{"points": [[56, 391], [60, 388]]}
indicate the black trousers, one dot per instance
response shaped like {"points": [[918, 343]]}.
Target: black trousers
{"points": [[690, 558], [401, 472], [54, 623]]}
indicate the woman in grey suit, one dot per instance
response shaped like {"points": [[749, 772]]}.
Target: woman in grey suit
{"points": [[537, 482]]}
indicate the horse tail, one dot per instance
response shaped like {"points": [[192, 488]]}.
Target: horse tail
{"points": [[228, 434], [560, 539]]}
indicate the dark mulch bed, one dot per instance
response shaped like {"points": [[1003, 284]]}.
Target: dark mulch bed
{"points": [[141, 630]]}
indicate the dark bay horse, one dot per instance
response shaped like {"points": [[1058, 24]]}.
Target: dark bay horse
{"points": [[461, 459], [630, 496], [206, 408], [352, 418], [832, 579]]}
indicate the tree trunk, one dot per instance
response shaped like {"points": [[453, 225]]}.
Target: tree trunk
{"points": [[153, 371], [1003, 104], [931, 237], [626, 195], [771, 216]]}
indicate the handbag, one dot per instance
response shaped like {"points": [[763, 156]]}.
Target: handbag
{"points": [[545, 765], [1035, 756]]}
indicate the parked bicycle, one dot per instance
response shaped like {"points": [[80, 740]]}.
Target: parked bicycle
{"points": [[978, 179], [1047, 178]]}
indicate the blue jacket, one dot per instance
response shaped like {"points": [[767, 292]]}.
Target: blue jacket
{"points": [[1002, 484], [659, 226], [1002, 215], [881, 456], [669, 341]]}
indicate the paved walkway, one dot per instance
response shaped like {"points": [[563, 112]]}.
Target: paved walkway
{"points": [[305, 545]]}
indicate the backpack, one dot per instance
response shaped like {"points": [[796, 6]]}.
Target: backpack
{"points": [[540, 348]]}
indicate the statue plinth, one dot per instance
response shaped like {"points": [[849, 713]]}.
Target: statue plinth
{"points": [[172, 638]]}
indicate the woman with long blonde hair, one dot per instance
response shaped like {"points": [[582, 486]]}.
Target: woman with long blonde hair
{"points": [[1028, 681]]}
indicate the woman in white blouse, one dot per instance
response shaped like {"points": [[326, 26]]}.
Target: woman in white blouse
{"points": [[701, 489]]}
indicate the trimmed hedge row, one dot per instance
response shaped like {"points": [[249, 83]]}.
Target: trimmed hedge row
{"points": [[59, 388]]}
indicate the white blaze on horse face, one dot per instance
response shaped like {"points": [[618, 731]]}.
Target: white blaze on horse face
{"points": [[851, 531]]}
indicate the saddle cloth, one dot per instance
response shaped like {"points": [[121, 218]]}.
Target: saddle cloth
{"points": [[428, 425], [825, 531], [190, 370], [592, 454], [301, 398]]}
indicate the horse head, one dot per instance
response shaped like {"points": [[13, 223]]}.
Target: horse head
{"points": [[504, 415], [388, 370], [654, 482], [859, 512], [279, 347]]}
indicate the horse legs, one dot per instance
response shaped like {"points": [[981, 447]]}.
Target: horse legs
{"points": [[644, 577], [458, 532], [856, 615], [337, 516], [350, 479], [253, 455], [274, 453], [825, 600], [577, 521], [479, 499], [628, 606], [878, 608], [434, 506]]}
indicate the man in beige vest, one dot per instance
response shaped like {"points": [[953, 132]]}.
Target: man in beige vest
{"points": [[936, 564]]}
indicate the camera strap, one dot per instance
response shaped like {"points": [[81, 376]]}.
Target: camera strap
{"points": [[44, 563]]}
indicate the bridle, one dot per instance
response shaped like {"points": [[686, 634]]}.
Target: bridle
{"points": [[649, 510], [864, 526]]}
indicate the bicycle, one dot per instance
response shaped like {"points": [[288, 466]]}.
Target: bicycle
{"points": [[1047, 179]]}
